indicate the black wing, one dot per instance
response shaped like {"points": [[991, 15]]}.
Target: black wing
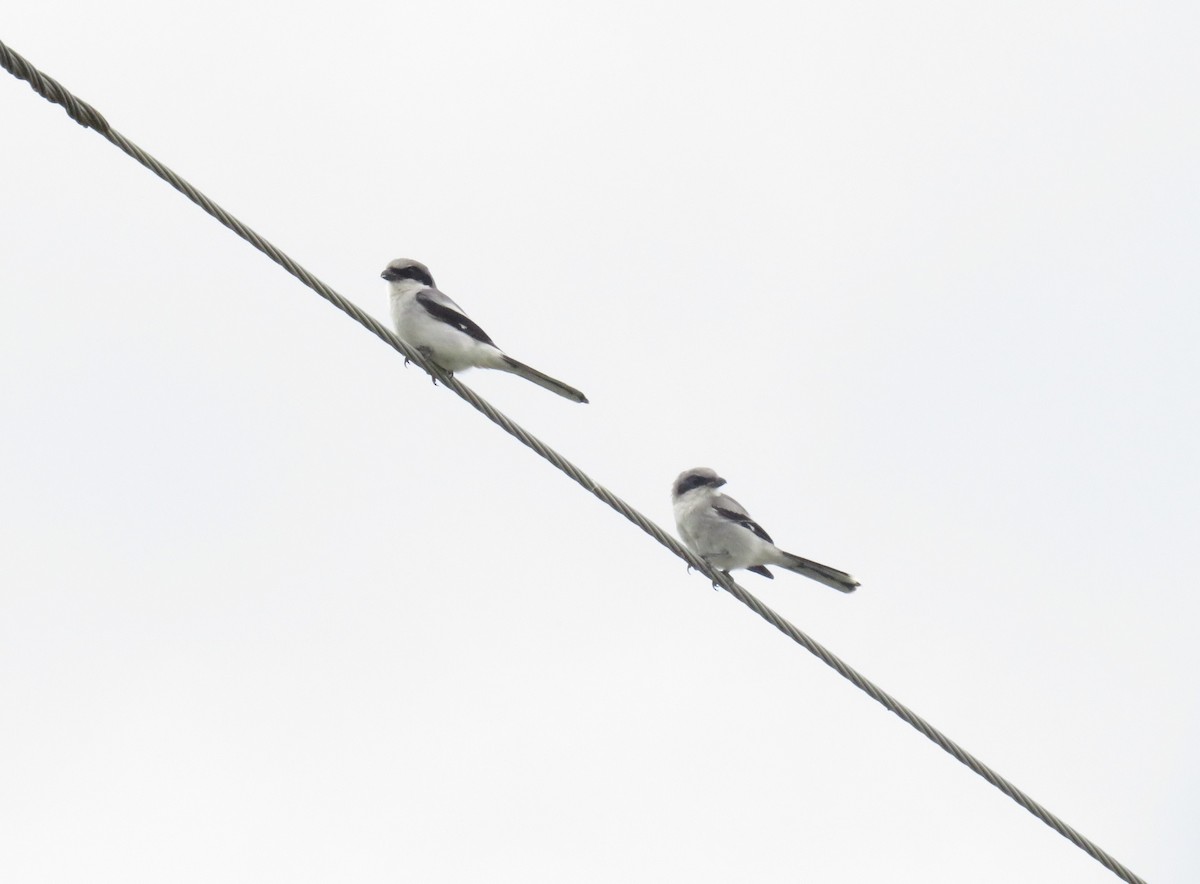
{"points": [[743, 520], [450, 316], [762, 569]]}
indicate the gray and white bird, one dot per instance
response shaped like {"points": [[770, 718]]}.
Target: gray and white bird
{"points": [[429, 321], [719, 530]]}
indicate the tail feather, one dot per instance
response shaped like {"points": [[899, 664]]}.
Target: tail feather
{"points": [[839, 580], [542, 380]]}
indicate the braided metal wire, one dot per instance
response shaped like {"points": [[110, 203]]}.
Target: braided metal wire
{"points": [[84, 114], [51, 90]]}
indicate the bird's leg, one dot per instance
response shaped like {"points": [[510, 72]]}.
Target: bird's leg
{"points": [[428, 356], [715, 584]]}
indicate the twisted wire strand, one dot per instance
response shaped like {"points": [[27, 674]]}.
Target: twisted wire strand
{"points": [[87, 116], [51, 90]]}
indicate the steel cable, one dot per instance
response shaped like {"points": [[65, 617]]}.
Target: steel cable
{"points": [[87, 116]]}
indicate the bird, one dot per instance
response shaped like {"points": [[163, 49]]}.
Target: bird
{"points": [[427, 320], [719, 530]]}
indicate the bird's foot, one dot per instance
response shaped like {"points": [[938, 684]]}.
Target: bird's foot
{"points": [[427, 355]]}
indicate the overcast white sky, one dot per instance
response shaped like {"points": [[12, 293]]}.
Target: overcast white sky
{"points": [[921, 281]]}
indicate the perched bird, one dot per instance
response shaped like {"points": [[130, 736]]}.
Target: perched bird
{"points": [[430, 322], [719, 530]]}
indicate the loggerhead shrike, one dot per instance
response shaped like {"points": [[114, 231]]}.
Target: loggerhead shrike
{"points": [[430, 322], [719, 530]]}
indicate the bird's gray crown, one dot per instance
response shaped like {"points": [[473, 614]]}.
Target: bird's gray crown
{"points": [[696, 478], [407, 268]]}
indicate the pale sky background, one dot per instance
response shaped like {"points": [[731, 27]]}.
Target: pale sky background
{"points": [[921, 280]]}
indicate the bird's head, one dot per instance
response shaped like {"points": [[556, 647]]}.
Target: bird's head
{"points": [[690, 480], [406, 268]]}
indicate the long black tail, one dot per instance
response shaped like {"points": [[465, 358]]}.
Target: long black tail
{"points": [[839, 580], [542, 380]]}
